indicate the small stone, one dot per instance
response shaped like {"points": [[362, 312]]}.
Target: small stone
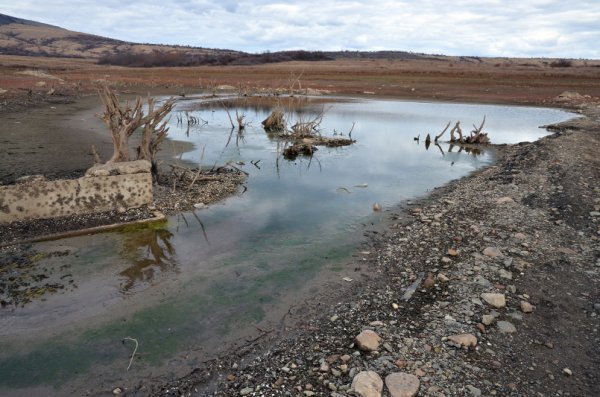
{"points": [[594, 213], [309, 393], [494, 299], [429, 281], [480, 280], [346, 358], [402, 385], [465, 340], [446, 260], [505, 200], [452, 252], [487, 319], [419, 372], [245, 391], [376, 207], [368, 341], [334, 318], [567, 371], [492, 252], [200, 206], [367, 384], [401, 363], [395, 306], [481, 328], [376, 323], [565, 250], [505, 274], [475, 392], [527, 307], [505, 327], [520, 236], [117, 391], [442, 278]]}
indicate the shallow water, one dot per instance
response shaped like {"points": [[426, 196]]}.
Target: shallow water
{"points": [[191, 287]]}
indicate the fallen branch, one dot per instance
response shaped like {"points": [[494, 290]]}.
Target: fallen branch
{"points": [[442, 133], [134, 350]]}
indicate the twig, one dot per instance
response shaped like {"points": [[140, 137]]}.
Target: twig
{"points": [[228, 114], [96, 155], [134, 350]]}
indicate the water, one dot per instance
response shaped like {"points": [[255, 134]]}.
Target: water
{"points": [[190, 288]]}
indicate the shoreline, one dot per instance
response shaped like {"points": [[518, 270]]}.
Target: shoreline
{"points": [[510, 206], [354, 315]]}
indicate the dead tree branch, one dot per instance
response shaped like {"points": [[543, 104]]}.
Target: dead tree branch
{"points": [[442, 133]]}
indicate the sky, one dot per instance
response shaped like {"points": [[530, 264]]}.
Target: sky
{"points": [[521, 28]]}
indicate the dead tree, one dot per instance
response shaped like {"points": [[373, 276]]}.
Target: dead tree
{"points": [[154, 132], [240, 120], [123, 120]]}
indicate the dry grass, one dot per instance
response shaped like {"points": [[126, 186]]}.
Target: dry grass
{"points": [[491, 80]]}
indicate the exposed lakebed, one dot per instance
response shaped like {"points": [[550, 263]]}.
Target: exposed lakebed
{"points": [[195, 286]]}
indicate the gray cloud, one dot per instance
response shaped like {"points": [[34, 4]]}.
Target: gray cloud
{"points": [[545, 28]]}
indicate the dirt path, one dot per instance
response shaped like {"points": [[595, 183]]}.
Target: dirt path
{"points": [[525, 230]]}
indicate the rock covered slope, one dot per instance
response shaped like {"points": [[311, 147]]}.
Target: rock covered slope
{"points": [[488, 287]]}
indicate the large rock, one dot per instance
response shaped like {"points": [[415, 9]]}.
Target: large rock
{"points": [[496, 300], [402, 385], [368, 340], [367, 384]]}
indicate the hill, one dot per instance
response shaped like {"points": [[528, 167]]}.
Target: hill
{"points": [[23, 37]]}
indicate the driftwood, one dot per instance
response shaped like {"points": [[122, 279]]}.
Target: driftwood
{"points": [[275, 122], [442, 133], [304, 136], [477, 136], [299, 149]]}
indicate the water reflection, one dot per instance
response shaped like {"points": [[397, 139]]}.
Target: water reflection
{"points": [[473, 150], [153, 253]]}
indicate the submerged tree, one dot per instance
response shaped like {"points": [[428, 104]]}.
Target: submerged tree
{"points": [[124, 120]]}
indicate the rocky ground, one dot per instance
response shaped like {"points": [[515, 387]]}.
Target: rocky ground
{"points": [[488, 287]]}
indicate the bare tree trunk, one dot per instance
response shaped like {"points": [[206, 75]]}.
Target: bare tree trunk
{"points": [[154, 132], [122, 121]]}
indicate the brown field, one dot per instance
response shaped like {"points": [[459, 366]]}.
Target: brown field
{"points": [[523, 81]]}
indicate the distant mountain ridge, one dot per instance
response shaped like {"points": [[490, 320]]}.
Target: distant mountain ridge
{"points": [[7, 19], [30, 38], [24, 37]]}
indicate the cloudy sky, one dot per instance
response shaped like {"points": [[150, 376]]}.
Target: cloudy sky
{"points": [[528, 28]]}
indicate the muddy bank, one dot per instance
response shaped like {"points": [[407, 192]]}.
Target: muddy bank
{"points": [[508, 258], [55, 140]]}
